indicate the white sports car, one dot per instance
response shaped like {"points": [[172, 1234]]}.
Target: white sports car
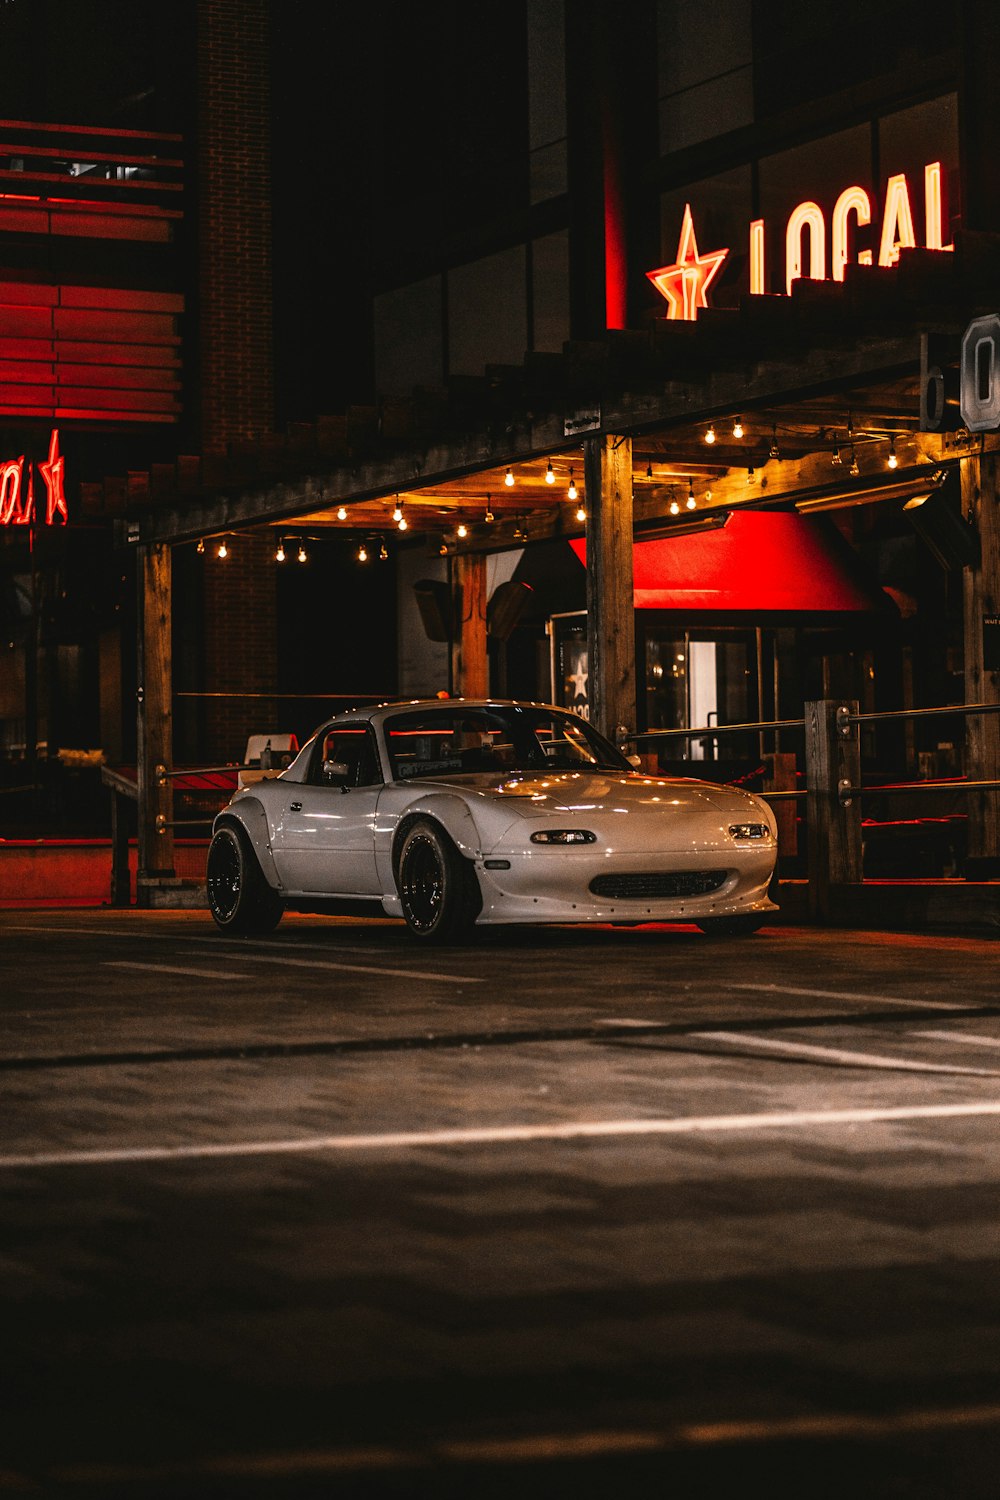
{"points": [[464, 812]]}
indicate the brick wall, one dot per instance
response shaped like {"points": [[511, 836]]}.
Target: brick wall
{"points": [[235, 341]]}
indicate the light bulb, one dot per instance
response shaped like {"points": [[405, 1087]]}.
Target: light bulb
{"points": [[201, 544], [737, 428], [279, 555], [341, 513], [855, 468], [402, 523], [649, 471], [223, 550], [397, 514], [892, 461], [383, 552], [302, 553], [581, 514], [489, 513], [675, 509], [691, 502], [463, 530], [751, 474], [710, 435], [571, 493], [443, 549], [362, 553], [836, 459], [773, 453], [508, 479], [550, 478]]}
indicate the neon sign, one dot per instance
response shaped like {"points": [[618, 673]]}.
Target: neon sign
{"points": [[17, 504], [685, 283]]}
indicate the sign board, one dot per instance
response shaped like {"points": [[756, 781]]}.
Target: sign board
{"points": [[991, 643], [18, 503]]}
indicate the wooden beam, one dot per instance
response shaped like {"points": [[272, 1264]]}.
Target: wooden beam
{"points": [[469, 658], [981, 605], [610, 606], [154, 718]]}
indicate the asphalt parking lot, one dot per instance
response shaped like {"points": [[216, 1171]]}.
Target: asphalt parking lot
{"points": [[557, 1212]]}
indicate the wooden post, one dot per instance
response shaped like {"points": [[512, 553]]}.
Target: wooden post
{"points": [[780, 776], [470, 673], [153, 720], [610, 598], [981, 605], [832, 759]]}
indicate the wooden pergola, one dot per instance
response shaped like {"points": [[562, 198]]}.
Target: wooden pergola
{"points": [[806, 402]]}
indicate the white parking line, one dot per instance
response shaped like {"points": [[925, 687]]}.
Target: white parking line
{"points": [[122, 963], [505, 1135], [790, 989], [964, 1038], [837, 1054], [315, 963]]}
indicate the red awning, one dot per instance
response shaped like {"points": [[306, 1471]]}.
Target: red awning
{"points": [[760, 561]]}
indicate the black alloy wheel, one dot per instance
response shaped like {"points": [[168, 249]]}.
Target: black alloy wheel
{"points": [[239, 897], [438, 890]]}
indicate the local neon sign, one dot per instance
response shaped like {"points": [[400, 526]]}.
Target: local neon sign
{"points": [[685, 283], [17, 502]]}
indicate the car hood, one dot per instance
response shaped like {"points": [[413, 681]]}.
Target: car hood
{"points": [[601, 797]]}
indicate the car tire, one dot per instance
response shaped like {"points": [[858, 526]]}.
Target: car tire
{"points": [[739, 926], [239, 897], [438, 889]]}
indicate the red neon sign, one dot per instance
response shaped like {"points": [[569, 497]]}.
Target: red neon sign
{"points": [[17, 504], [685, 283]]}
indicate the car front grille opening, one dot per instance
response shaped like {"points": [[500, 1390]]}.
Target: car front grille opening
{"points": [[658, 885]]}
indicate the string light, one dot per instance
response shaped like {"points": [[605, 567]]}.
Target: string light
{"points": [[443, 549], [691, 501], [223, 551], [550, 477], [737, 428], [508, 479], [581, 514], [362, 553], [383, 551], [751, 474], [675, 509], [463, 530], [397, 514], [649, 471], [302, 552], [855, 468], [710, 434], [836, 459], [341, 513], [401, 522], [279, 554], [892, 461], [201, 545], [519, 535], [488, 517], [571, 493], [773, 452]]}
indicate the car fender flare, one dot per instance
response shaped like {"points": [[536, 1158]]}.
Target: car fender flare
{"points": [[453, 815], [248, 813]]}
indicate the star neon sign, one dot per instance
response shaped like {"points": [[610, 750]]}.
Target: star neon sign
{"points": [[685, 283]]}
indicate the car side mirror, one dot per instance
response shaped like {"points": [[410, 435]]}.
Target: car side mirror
{"points": [[336, 770], [635, 760]]}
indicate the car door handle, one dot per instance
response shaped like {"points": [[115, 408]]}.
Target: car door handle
{"points": [[296, 806]]}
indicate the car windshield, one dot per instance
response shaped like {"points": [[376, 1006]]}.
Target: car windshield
{"points": [[454, 740]]}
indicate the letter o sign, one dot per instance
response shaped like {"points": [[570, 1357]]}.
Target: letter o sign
{"points": [[979, 385]]}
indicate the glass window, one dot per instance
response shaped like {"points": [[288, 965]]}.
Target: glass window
{"points": [[409, 342], [346, 756], [911, 138], [456, 741], [817, 172], [497, 283], [550, 292]]}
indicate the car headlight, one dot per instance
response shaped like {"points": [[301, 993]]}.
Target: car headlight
{"points": [[563, 836], [749, 831]]}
